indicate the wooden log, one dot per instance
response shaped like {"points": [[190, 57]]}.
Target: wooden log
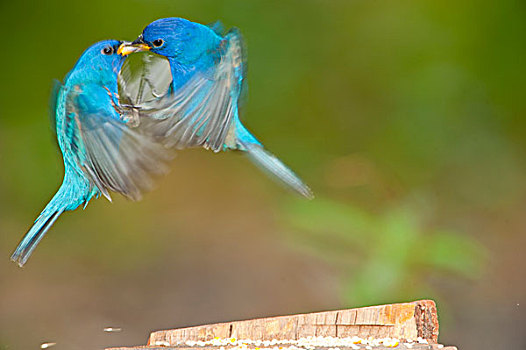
{"points": [[413, 324], [361, 347], [405, 321]]}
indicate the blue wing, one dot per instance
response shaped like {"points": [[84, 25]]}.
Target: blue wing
{"points": [[202, 112], [113, 154], [217, 27]]}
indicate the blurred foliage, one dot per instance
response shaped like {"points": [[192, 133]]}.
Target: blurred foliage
{"points": [[386, 256]]}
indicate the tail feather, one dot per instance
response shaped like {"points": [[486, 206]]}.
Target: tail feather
{"points": [[274, 167], [35, 234]]}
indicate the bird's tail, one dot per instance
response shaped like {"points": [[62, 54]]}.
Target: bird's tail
{"points": [[269, 163], [30, 241], [72, 193]]}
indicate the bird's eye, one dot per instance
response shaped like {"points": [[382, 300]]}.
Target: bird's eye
{"points": [[108, 50], [158, 42]]}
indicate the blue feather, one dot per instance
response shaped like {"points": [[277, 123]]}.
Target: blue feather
{"points": [[73, 192]]}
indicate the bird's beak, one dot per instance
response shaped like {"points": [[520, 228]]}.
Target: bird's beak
{"points": [[127, 48]]}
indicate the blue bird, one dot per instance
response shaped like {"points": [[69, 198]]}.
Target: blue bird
{"points": [[103, 150], [200, 107]]}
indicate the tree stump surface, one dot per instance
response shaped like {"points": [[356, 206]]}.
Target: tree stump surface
{"points": [[360, 347], [413, 325]]}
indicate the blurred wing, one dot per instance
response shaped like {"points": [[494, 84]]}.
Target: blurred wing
{"points": [[112, 155], [201, 112], [53, 101], [144, 77], [217, 27]]}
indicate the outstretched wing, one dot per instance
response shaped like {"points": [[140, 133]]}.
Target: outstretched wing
{"points": [[113, 155], [201, 112], [143, 78]]}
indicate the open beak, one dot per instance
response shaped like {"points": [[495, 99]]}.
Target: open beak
{"points": [[127, 48]]}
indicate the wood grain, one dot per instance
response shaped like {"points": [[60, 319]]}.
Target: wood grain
{"points": [[404, 321], [399, 347]]}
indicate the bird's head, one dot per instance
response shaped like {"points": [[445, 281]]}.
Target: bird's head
{"points": [[101, 60], [174, 38]]}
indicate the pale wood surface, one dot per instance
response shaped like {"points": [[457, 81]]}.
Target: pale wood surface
{"points": [[405, 321], [362, 347]]}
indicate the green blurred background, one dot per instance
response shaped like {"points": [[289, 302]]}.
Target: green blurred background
{"points": [[405, 117]]}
